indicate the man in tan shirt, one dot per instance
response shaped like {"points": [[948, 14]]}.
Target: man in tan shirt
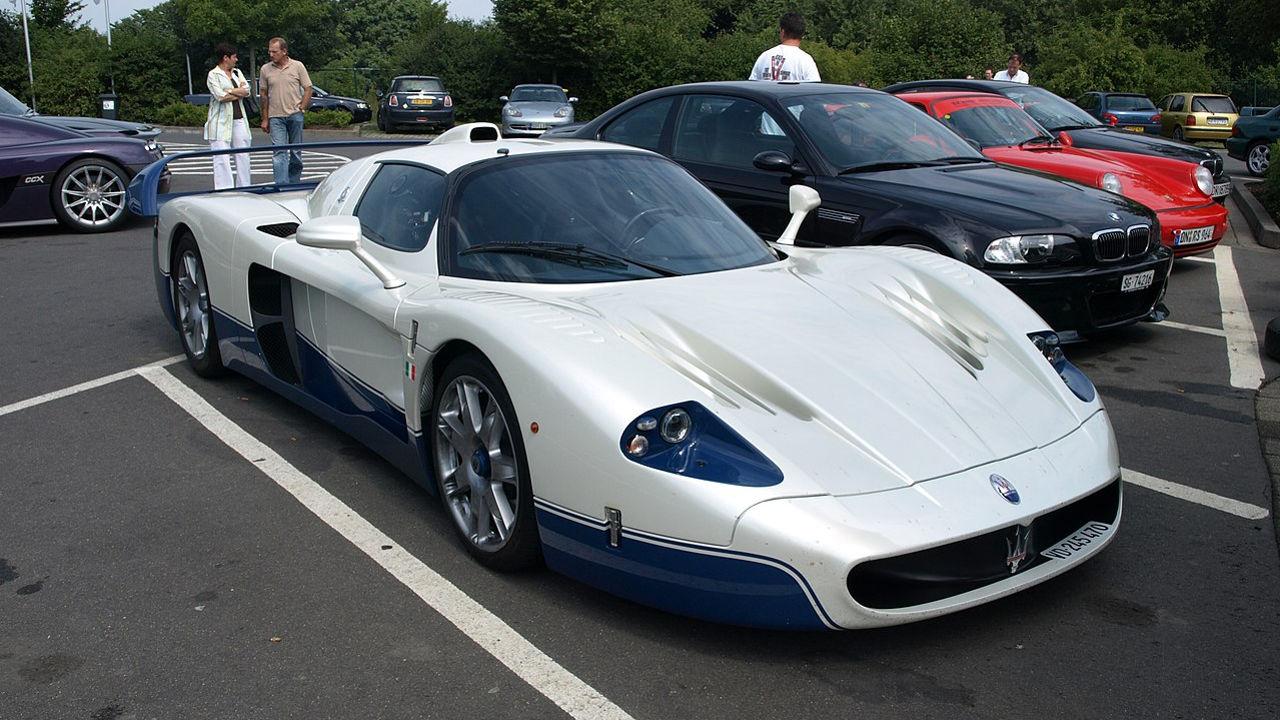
{"points": [[285, 93]]}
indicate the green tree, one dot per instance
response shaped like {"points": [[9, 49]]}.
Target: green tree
{"points": [[471, 59], [936, 38], [147, 49], [54, 14], [309, 26], [559, 39]]}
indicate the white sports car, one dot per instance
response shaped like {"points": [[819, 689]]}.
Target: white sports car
{"points": [[595, 363]]}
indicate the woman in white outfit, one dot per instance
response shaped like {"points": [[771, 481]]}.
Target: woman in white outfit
{"points": [[228, 123]]}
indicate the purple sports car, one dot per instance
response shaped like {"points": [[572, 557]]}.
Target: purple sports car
{"points": [[49, 172]]}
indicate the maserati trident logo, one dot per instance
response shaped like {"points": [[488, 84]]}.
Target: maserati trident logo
{"points": [[1017, 545], [1005, 488]]}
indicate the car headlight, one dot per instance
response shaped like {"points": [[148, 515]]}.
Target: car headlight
{"points": [[362, 106], [1050, 346], [1022, 249], [689, 440], [1204, 180], [563, 112], [513, 112], [1111, 183]]}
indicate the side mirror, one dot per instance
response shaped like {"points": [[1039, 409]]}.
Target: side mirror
{"points": [[773, 161], [802, 200], [342, 232], [1064, 137], [379, 94], [573, 99], [503, 98], [976, 145]]}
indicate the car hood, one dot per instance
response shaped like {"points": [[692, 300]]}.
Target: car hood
{"points": [[1108, 138], [856, 370], [1162, 184], [97, 126], [1009, 200]]}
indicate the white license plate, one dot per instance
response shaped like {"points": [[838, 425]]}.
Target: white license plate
{"points": [[1137, 281], [1134, 128], [1217, 121], [1222, 189], [536, 126], [1078, 541], [1193, 236]]}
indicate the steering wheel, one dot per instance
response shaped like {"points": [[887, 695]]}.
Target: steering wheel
{"points": [[649, 218]]}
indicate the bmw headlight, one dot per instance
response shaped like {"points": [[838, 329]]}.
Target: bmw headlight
{"points": [[689, 440], [1204, 180], [1050, 346], [1111, 183], [513, 112], [563, 112], [1022, 249]]}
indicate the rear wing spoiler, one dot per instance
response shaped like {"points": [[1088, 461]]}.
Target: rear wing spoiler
{"points": [[151, 188]]}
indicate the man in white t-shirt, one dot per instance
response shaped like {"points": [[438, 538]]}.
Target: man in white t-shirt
{"points": [[1015, 71], [786, 61]]}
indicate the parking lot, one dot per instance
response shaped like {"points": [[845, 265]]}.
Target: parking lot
{"points": [[173, 547]]}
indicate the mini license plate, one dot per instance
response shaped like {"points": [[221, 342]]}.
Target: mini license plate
{"points": [[1137, 281], [1078, 541], [422, 101], [1217, 121], [1222, 189], [1134, 128], [1194, 236]]}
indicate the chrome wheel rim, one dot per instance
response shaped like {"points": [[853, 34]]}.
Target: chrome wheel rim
{"points": [[1259, 159], [93, 195], [476, 463], [193, 304]]}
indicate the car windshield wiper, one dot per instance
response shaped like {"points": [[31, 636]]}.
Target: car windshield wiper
{"points": [[1060, 128], [962, 160], [1038, 140], [579, 255], [889, 165]]}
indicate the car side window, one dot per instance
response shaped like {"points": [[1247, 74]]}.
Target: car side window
{"points": [[1179, 102], [641, 127], [1088, 101], [727, 131], [401, 205]]}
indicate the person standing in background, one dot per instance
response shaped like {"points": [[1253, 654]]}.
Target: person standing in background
{"points": [[228, 122], [1014, 72], [786, 61], [285, 95]]}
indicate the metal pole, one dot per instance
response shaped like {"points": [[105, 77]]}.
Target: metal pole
{"points": [[31, 77], [106, 4]]}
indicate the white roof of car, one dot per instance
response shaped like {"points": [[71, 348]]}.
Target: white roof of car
{"points": [[466, 144]]}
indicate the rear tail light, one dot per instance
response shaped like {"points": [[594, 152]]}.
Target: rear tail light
{"points": [[448, 101], [1235, 131], [1155, 118], [1110, 119], [1191, 119], [394, 101]]}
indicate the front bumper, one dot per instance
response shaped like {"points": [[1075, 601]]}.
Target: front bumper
{"points": [[1174, 222], [1087, 299], [530, 127]]}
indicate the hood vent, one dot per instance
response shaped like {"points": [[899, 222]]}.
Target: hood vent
{"points": [[967, 346]]}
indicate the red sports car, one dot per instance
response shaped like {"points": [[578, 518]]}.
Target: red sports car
{"points": [[1181, 193]]}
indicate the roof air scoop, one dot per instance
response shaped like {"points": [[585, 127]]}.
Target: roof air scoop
{"points": [[470, 133]]}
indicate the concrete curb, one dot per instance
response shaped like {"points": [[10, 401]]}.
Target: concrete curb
{"points": [[1264, 227]]}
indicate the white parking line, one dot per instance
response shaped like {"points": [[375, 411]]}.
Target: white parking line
{"points": [[1193, 328], [1190, 494], [488, 631], [1242, 344], [91, 384]]}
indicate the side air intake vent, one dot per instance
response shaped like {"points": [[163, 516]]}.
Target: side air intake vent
{"points": [[283, 230]]}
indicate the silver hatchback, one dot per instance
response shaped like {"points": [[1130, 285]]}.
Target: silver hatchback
{"points": [[532, 109]]}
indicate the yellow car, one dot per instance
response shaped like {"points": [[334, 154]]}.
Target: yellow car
{"points": [[1197, 116]]}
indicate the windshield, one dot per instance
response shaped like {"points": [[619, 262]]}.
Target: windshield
{"points": [[1130, 102], [418, 85], [859, 129], [592, 217], [10, 105], [539, 94], [990, 124], [1048, 109]]}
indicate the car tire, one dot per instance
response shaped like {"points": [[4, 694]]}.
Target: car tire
{"points": [[1258, 158], [1271, 340], [382, 121], [193, 310], [89, 195], [1179, 135], [473, 424]]}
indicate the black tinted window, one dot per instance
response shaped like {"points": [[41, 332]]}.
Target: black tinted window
{"points": [[641, 127], [727, 131], [401, 205]]}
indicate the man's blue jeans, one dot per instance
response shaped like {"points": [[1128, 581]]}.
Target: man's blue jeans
{"points": [[286, 165]]}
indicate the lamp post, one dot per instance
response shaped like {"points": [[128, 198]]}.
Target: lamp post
{"points": [[106, 5], [31, 77]]}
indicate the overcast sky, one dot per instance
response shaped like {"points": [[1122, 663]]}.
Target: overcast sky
{"points": [[95, 11]]}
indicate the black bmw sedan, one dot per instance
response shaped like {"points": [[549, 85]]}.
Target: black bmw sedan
{"points": [[888, 174], [1060, 115]]}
